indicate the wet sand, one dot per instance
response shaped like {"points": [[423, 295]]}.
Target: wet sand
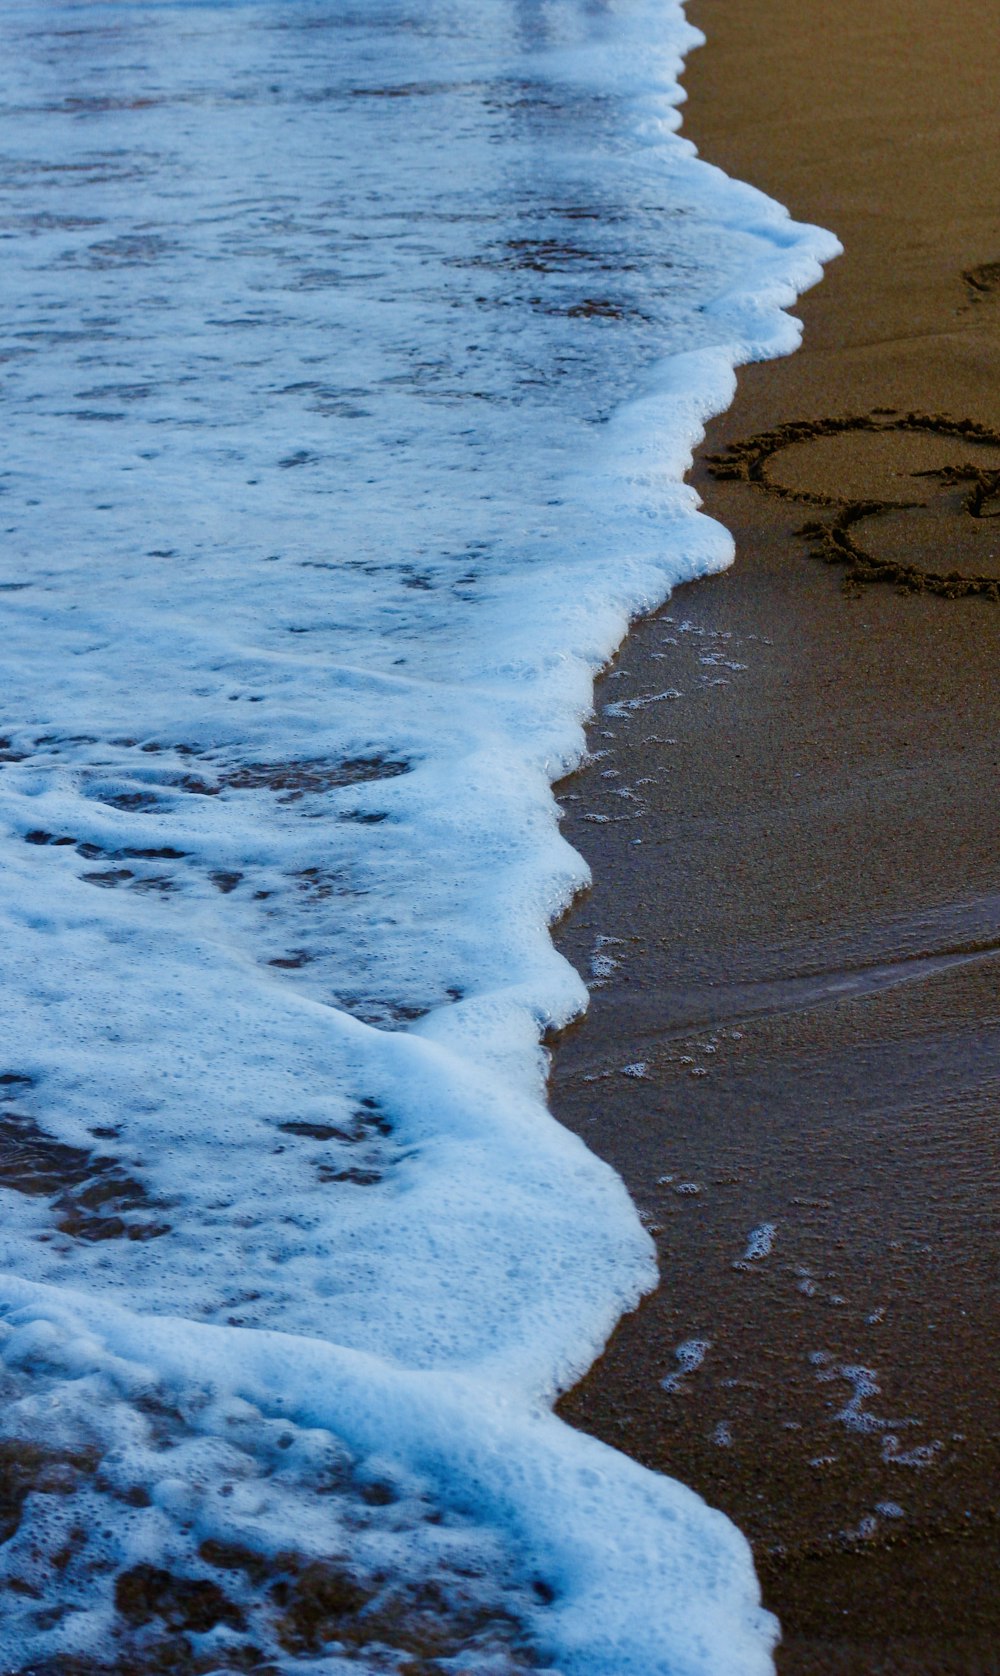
{"points": [[793, 1049]]}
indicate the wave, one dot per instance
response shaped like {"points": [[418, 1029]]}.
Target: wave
{"points": [[357, 355]]}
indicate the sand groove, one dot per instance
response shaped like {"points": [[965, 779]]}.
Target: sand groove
{"points": [[750, 461]]}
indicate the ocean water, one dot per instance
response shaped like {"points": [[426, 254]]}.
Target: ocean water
{"points": [[353, 354]]}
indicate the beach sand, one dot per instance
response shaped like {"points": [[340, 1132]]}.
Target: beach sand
{"points": [[793, 1049]]}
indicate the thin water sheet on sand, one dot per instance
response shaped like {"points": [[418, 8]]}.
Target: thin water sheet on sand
{"points": [[792, 1053]]}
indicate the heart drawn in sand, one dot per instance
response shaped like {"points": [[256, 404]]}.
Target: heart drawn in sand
{"points": [[903, 486]]}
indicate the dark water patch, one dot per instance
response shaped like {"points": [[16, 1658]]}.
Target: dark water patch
{"points": [[365, 1123], [371, 1116], [248, 322], [301, 457], [91, 1193], [316, 1131], [545, 256], [160, 884], [14, 1083], [556, 104], [600, 308], [225, 882], [412, 90], [98, 103], [133, 802], [128, 250], [317, 1605], [35, 1163], [364, 1163], [317, 885], [101, 169], [196, 786], [47, 222], [324, 1601], [111, 877], [185, 1603], [235, 1556], [294, 780], [606, 214], [385, 1013], [60, 739], [116, 392], [289, 780], [164, 853], [323, 392], [159, 1655], [340, 409], [28, 1469], [52, 338], [352, 1173], [315, 279]]}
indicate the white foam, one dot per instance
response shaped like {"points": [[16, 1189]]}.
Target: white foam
{"points": [[689, 1356], [354, 369], [760, 1244], [855, 1415]]}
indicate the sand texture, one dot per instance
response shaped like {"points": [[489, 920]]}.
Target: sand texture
{"points": [[793, 1050]]}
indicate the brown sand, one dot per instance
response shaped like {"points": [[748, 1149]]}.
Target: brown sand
{"points": [[808, 933]]}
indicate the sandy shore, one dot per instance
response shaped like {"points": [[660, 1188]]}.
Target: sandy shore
{"points": [[793, 1051]]}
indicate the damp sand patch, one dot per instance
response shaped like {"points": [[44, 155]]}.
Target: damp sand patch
{"points": [[91, 1196]]}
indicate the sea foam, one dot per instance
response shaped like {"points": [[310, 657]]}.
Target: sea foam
{"points": [[355, 357]]}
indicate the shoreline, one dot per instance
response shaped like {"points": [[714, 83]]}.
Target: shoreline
{"points": [[792, 1054]]}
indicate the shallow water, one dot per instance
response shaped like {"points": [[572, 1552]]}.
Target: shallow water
{"points": [[353, 360]]}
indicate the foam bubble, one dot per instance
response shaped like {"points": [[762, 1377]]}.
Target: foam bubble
{"points": [[760, 1244], [689, 1357]]}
